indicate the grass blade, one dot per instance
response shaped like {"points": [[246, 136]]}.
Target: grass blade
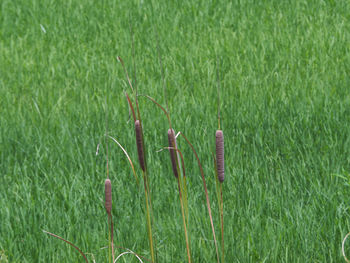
{"points": [[127, 156], [69, 243]]}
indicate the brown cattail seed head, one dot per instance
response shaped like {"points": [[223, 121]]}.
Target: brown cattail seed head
{"points": [[220, 155], [139, 144], [108, 196], [172, 144]]}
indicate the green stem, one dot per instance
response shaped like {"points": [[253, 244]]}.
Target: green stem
{"points": [[109, 241], [218, 186], [222, 225], [149, 225], [184, 222]]}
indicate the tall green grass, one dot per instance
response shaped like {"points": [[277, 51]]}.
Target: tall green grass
{"points": [[284, 70]]}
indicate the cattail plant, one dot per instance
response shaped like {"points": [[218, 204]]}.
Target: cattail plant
{"points": [[219, 165], [174, 153], [108, 207], [174, 160], [108, 194], [182, 194], [174, 157], [220, 172], [141, 156]]}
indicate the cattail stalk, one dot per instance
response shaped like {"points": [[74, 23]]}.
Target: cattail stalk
{"points": [[219, 164], [140, 152], [174, 153], [183, 200], [183, 193], [222, 225], [108, 206], [221, 209], [184, 222], [176, 169], [172, 148], [148, 215], [141, 156]]}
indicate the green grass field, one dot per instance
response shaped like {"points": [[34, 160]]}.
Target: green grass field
{"points": [[285, 108]]}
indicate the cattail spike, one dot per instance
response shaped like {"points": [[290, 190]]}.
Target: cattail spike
{"points": [[220, 155], [108, 196], [172, 144], [139, 144]]}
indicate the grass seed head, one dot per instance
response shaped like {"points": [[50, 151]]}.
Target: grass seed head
{"points": [[139, 144], [220, 155], [172, 143], [108, 196]]}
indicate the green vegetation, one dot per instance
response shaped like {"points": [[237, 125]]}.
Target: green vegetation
{"points": [[285, 112]]}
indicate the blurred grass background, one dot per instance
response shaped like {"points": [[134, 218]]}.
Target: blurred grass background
{"points": [[284, 69]]}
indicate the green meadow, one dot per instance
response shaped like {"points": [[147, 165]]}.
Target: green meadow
{"points": [[284, 73]]}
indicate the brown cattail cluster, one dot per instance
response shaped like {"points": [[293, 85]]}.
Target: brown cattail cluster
{"points": [[220, 155], [172, 144], [139, 144], [108, 196]]}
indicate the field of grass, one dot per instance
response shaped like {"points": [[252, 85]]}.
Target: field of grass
{"points": [[285, 77]]}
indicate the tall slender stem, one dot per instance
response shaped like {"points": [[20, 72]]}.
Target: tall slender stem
{"points": [[149, 225], [112, 237], [222, 225], [109, 240], [184, 222]]}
